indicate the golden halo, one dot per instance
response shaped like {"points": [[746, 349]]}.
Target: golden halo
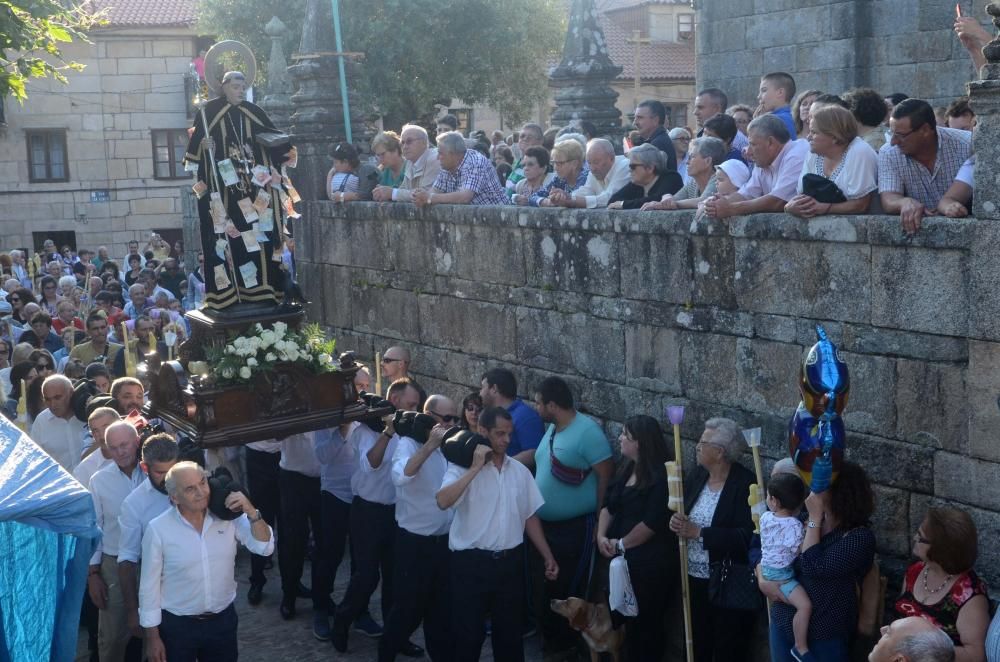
{"points": [[212, 76]]}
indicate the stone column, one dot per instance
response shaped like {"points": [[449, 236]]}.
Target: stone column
{"points": [[581, 82], [277, 102], [317, 121], [984, 97]]}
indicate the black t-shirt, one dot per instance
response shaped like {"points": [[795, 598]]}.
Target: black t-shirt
{"points": [[629, 506]]}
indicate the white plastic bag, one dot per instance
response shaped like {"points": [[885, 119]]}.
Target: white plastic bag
{"points": [[622, 597]]}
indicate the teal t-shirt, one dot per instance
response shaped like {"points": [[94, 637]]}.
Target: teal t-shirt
{"points": [[581, 445]]}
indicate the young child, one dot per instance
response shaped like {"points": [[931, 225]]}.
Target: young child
{"points": [[781, 534], [777, 90]]}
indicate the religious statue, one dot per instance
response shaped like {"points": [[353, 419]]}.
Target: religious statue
{"points": [[244, 193]]}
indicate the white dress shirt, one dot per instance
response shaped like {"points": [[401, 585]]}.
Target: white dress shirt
{"points": [[374, 485], [597, 192], [109, 487], [416, 501], [188, 572], [338, 462], [60, 438], [89, 466], [140, 507], [492, 511], [267, 446], [781, 178], [297, 455]]}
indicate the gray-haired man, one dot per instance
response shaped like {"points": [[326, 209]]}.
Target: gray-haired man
{"points": [[421, 167], [466, 177]]}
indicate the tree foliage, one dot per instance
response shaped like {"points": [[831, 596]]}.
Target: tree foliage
{"points": [[419, 53], [31, 36]]}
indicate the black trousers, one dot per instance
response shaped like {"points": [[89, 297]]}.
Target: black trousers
{"points": [[720, 635], [373, 536], [644, 640], [571, 542], [300, 509], [335, 515], [187, 638], [262, 483], [421, 591], [487, 583]]}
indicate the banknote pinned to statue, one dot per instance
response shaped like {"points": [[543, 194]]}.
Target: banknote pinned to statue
{"points": [[816, 432]]}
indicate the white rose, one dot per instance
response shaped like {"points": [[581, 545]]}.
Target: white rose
{"points": [[227, 373], [252, 362], [267, 338], [271, 357], [245, 372], [325, 358], [280, 328]]}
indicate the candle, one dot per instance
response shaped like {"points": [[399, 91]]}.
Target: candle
{"points": [[129, 360], [22, 407], [378, 373]]}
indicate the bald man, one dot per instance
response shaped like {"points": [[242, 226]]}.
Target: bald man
{"points": [[421, 569], [57, 430], [396, 365], [913, 639]]}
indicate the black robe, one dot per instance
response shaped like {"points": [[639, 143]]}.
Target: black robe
{"points": [[228, 126]]}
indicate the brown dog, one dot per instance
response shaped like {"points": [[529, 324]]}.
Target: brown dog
{"points": [[593, 621]]}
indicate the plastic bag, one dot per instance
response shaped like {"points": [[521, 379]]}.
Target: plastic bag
{"points": [[621, 597]]}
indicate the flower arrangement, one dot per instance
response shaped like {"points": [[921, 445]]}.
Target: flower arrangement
{"points": [[260, 350]]}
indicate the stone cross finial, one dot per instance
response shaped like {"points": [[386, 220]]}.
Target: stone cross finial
{"points": [[277, 67], [991, 51]]}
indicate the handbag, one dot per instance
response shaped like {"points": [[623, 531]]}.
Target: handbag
{"points": [[569, 475], [621, 597], [822, 189], [734, 586]]}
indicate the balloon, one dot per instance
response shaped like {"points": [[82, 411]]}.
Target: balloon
{"points": [[816, 432]]}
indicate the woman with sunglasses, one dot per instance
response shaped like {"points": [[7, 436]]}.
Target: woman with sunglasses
{"points": [[650, 179], [18, 299], [23, 372], [45, 363], [472, 407]]}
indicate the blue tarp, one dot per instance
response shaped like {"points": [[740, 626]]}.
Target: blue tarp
{"points": [[47, 535]]}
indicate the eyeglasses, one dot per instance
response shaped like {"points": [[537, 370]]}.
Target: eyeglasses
{"points": [[445, 419], [633, 166], [702, 444], [388, 360], [903, 136], [559, 163]]}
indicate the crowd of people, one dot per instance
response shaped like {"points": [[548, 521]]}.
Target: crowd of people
{"points": [[809, 153]]}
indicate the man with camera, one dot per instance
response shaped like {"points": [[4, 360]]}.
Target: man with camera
{"points": [[188, 582], [495, 500], [109, 487]]}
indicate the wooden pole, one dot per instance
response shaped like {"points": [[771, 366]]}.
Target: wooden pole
{"points": [[757, 493], [378, 374], [676, 415]]}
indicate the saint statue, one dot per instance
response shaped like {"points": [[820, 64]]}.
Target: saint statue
{"points": [[244, 197]]}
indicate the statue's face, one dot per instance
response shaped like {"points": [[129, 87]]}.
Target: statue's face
{"points": [[235, 91]]}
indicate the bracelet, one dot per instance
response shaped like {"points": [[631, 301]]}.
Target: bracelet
{"points": [[256, 518], [621, 547]]}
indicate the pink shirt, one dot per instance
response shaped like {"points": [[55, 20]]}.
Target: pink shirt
{"points": [[781, 178]]}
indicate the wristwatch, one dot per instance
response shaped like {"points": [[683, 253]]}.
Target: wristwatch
{"points": [[813, 525], [256, 517]]}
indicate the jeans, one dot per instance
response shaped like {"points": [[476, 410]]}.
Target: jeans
{"points": [[828, 650]]}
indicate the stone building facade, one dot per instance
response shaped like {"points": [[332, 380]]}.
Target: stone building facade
{"points": [[96, 162], [640, 310], [833, 45]]}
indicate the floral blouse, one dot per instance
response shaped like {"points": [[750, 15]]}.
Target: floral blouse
{"points": [[943, 613]]}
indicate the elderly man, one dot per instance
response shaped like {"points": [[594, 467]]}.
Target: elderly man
{"points": [[920, 164], [97, 456], [421, 169], [145, 503], [466, 177], [608, 174], [530, 136], [422, 590], [97, 348], [774, 181], [188, 558], [109, 487], [913, 639], [650, 116], [57, 430]]}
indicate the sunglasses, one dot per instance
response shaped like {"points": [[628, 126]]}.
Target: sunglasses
{"points": [[43, 366], [473, 408], [385, 360], [15, 300], [633, 166], [446, 419]]}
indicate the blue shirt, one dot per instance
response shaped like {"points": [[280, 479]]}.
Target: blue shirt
{"points": [[528, 428], [785, 114]]}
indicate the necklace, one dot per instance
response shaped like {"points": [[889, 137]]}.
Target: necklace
{"points": [[940, 588]]}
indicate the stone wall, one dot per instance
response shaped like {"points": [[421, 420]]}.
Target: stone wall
{"points": [[833, 45], [133, 82], [638, 310]]}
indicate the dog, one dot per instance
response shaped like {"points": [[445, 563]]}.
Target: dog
{"points": [[593, 621]]}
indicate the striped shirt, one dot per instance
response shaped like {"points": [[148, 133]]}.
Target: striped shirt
{"points": [[899, 173]]}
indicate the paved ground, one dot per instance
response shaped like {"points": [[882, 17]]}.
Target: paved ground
{"points": [[265, 637]]}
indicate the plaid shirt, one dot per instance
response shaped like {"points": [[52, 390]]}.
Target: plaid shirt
{"points": [[561, 184], [475, 173], [898, 173]]}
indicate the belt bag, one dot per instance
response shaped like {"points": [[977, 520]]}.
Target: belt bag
{"points": [[569, 475]]}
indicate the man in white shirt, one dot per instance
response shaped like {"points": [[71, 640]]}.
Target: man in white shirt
{"points": [[100, 457], [608, 174], [373, 518], [421, 589], [188, 585], [774, 181], [109, 487], [142, 506], [495, 504], [421, 168], [57, 430]]}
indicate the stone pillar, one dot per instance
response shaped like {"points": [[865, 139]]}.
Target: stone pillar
{"points": [[984, 97], [277, 102], [317, 121], [581, 82]]}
